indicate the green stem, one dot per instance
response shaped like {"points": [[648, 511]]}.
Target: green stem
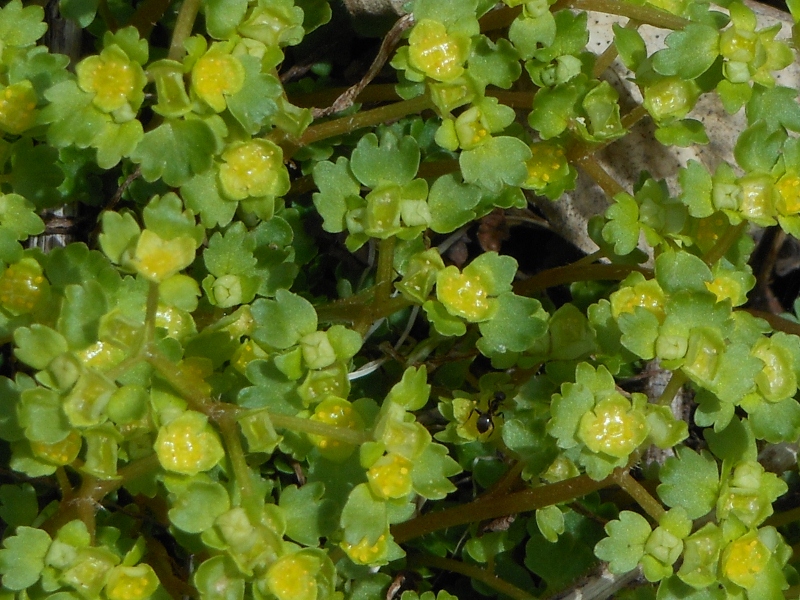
{"points": [[344, 125], [352, 312], [183, 28], [675, 384], [493, 507], [576, 272], [600, 176], [186, 386], [105, 14], [230, 435], [724, 243], [84, 503], [123, 367], [642, 497], [147, 14], [151, 311], [498, 19], [472, 571], [385, 274], [777, 322], [342, 434], [646, 15]]}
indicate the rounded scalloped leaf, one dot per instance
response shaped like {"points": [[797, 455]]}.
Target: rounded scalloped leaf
{"points": [[497, 162], [218, 578], [624, 546], [515, 327], [690, 480], [198, 505], [412, 391], [22, 559], [283, 321], [20, 27], [188, 444], [392, 160], [689, 52]]}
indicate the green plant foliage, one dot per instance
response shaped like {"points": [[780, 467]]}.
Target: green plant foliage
{"points": [[276, 368]]}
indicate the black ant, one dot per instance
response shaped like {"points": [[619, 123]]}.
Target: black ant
{"points": [[485, 422]]}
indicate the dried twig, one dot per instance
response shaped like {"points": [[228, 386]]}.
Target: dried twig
{"points": [[390, 42]]}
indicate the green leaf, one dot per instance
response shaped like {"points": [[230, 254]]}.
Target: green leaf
{"points": [[255, 102], [681, 271], [672, 588], [443, 321], [622, 228], [516, 325], [498, 162], [364, 516], [336, 184], [777, 106], [494, 63], [175, 150], [120, 231], [201, 195], [128, 39], [117, 141], [81, 310], [309, 514], [36, 173], [449, 13], [553, 109], [529, 34], [82, 11], [696, 185], [20, 26], [758, 147], [198, 505], [231, 253], [778, 422], [223, 16], [684, 133], [19, 216], [392, 161], [18, 504], [689, 53], [164, 216], [283, 321], [624, 546], [562, 563], [412, 391], [218, 578], [735, 443], [38, 345], [630, 45], [451, 203], [690, 480], [22, 560], [315, 13], [431, 471]]}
